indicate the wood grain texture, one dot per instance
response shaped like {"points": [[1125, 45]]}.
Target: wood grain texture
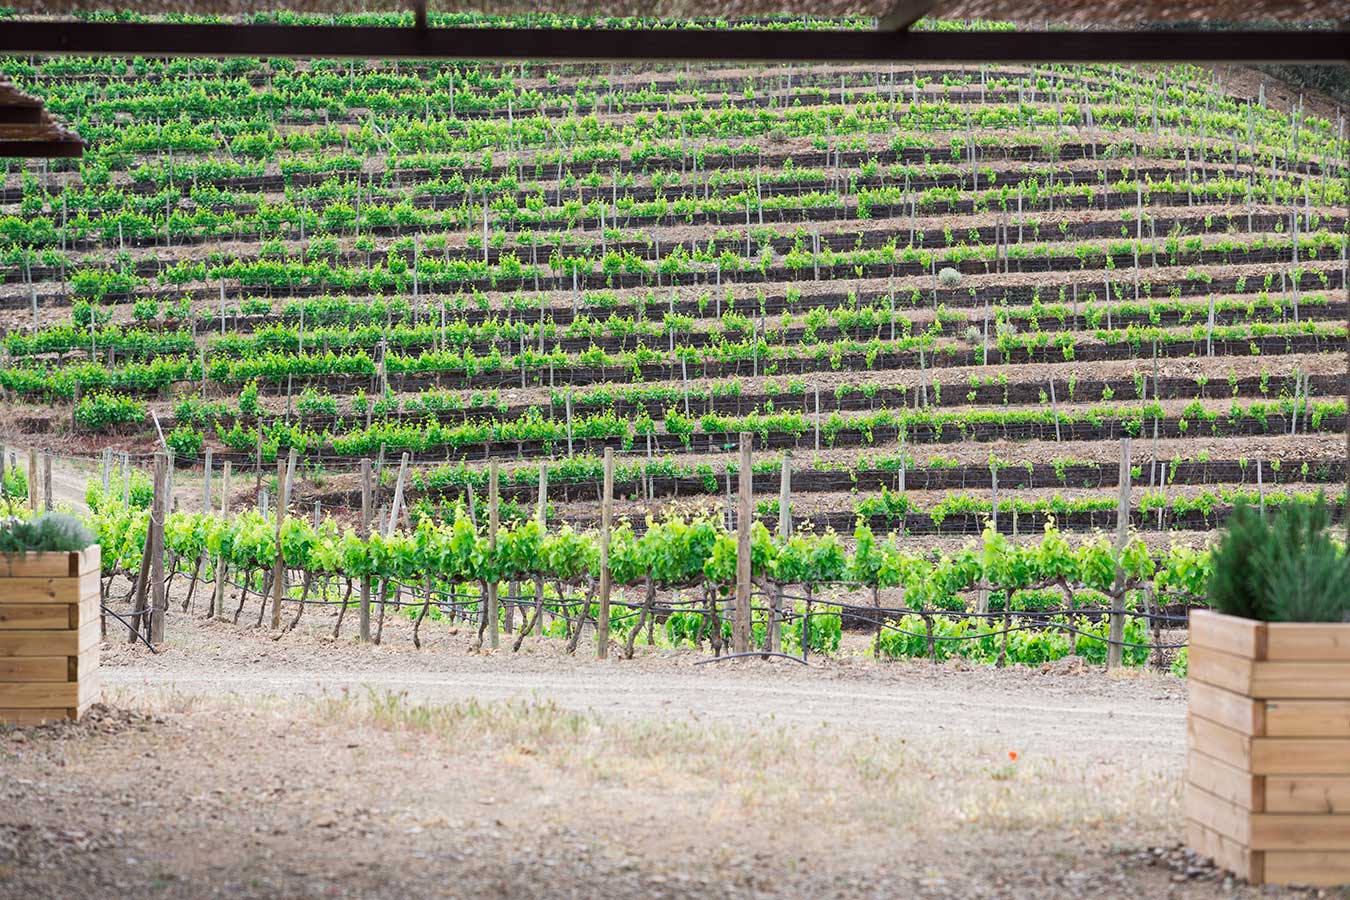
{"points": [[1228, 634], [1300, 680], [32, 716], [1311, 868], [1308, 641], [1226, 852], [1324, 794], [1224, 744], [39, 695], [1228, 782], [50, 565], [31, 616], [35, 589], [1300, 832], [1308, 718], [1231, 710], [1223, 670], [1218, 815], [35, 668], [1300, 756]]}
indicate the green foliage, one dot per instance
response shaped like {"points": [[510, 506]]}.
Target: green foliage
{"points": [[1305, 576], [1282, 569], [49, 532], [140, 491], [14, 486], [96, 411]]}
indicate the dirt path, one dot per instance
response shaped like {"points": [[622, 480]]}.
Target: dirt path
{"points": [[1029, 711], [232, 765], [1070, 710]]}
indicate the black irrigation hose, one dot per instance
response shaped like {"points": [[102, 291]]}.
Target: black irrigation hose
{"points": [[856, 611], [135, 632]]}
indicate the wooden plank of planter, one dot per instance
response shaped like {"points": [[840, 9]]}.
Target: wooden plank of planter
{"points": [[1327, 794], [50, 565], [39, 695], [1245, 638], [83, 666], [1235, 711], [1316, 869], [1223, 744], [1218, 815], [1300, 756], [1225, 781], [32, 716], [1226, 852], [49, 590], [1223, 670], [51, 643], [1307, 641], [1306, 718], [1301, 680], [1299, 832], [35, 668], [30, 616]]}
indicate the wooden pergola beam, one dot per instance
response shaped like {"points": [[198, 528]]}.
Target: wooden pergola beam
{"points": [[215, 40]]}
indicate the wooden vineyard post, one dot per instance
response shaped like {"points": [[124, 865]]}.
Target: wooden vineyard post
{"points": [[541, 509], [33, 481], [1117, 631], [1054, 408], [494, 511], [365, 535], [279, 566], [206, 483], [994, 495], [398, 496], [606, 517], [775, 635], [541, 515], [158, 507], [47, 476], [740, 631], [220, 559]]}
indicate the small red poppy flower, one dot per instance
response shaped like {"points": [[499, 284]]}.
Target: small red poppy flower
{"points": [[1012, 755]]}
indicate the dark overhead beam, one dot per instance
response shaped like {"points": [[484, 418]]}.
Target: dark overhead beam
{"points": [[43, 149], [175, 39]]}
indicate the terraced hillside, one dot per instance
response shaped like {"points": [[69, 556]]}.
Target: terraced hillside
{"points": [[935, 285]]}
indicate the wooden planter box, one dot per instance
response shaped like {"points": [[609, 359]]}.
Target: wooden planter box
{"points": [[1268, 767], [49, 635]]}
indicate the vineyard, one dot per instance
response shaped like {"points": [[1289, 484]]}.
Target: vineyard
{"points": [[980, 354]]}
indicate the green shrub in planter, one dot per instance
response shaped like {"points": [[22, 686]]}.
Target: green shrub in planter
{"points": [[50, 532], [1285, 568]]}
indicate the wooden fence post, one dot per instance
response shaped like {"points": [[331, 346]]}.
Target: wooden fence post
{"points": [[365, 535], [220, 560], [1117, 631], [398, 496], [494, 512], [740, 630], [206, 483], [541, 512], [775, 631], [47, 478], [33, 481], [279, 567], [606, 515], [158, 507]]}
